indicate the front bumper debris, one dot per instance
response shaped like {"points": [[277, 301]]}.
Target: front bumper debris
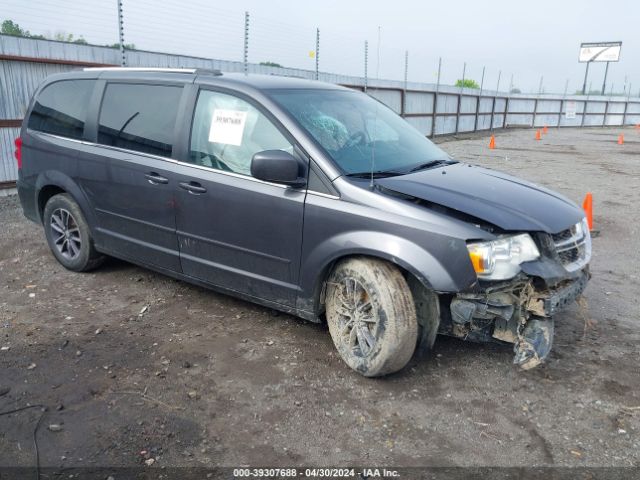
{"points": [[550, 302], [534, 345], [520, 312]]}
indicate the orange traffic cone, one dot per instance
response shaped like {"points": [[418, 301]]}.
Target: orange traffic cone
{"points": [[545, 129], [621, 139], [538, 135], [637, 126], [492, 143], [587, 206]]}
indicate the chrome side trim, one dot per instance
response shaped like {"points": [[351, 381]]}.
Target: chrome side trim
{"points": [[231, 174], [324, 195], [132, 152], [59, 137]]}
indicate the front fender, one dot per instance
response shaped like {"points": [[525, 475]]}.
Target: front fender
{"points": [[400, 251]]}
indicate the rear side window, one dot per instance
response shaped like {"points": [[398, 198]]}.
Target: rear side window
{"points": [[139, 117], [61, 108]]}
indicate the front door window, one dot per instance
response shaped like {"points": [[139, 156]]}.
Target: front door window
{"points": [[227, 131]]}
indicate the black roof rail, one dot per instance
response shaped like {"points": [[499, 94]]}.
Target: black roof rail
{"points": [[208, 71]]}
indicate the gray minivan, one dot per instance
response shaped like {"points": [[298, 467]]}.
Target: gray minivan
{"points": [[302, 196]]}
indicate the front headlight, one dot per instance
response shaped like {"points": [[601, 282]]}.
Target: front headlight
{"points": [[500, 259]]}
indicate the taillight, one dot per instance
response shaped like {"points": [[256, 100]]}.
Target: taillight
{"points": [[18, 152]]}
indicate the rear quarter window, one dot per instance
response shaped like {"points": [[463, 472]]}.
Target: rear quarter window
{"points": [[61, 108]]}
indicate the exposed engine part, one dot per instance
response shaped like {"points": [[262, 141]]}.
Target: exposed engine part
{"points": [[465, 311], [486, 317], [505, 331]]}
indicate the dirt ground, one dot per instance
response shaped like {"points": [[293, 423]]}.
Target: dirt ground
{"points": [[135, 366]]}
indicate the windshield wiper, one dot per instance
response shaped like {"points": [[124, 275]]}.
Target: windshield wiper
{"points": [[376, 174], [432, 163], [395, 173]]}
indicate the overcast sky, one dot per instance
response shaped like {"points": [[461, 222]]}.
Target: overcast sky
{"points": [[528, 40]]}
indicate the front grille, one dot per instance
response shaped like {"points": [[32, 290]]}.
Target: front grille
{"points": [[573, 246]]}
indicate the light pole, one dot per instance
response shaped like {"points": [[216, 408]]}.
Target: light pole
{"points": [[604, 83], [586, 73]]}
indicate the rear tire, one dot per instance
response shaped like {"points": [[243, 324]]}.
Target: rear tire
{"points": [[371, 316], [68, 234]]}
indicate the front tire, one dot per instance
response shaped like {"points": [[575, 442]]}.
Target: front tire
{"points": [[68, 234], [371, 316]]}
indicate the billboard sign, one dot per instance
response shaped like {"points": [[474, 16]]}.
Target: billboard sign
{"points": [[570, 109], [600, 52]]}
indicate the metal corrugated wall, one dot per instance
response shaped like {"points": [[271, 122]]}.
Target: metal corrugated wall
{"points": [[19, 80], [8, 167], [25, 62]]}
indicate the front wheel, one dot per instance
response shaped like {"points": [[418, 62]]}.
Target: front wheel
{"points": [[371, 316], [68, 234]]}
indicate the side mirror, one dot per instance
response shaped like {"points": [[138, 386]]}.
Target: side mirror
{"points": [[276, 166]]}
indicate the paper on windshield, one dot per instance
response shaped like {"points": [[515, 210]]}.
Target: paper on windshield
{"points": [[227, 126]]}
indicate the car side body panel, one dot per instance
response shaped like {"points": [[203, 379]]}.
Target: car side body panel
{"points": [[135, 214], [240, 233], [427, 244]]}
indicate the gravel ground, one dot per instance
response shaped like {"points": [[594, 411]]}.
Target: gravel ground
{"points": [[136, 367]]}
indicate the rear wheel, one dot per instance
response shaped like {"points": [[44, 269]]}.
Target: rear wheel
{"points": [[371, 316], [68, 234]]}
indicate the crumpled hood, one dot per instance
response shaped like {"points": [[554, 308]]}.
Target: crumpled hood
{"points": [[503, 200]]}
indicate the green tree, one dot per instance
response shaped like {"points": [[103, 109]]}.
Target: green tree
{"points": [[271, 64], [590, 92], [127, 46], [9, 27], [62, 36], [467, 83]]}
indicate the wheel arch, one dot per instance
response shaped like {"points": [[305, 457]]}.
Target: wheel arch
{"points": [[43, 196], [50, 183], [409, 257]]}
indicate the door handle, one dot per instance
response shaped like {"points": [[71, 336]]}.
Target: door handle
{"points": [[192, 187], [154, 178]]}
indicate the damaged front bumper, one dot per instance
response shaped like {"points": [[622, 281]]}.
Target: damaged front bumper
{"points": [[520, 312]]}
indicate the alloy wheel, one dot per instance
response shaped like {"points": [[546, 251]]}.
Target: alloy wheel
{"points": [[358, 322], [65, 233]]}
